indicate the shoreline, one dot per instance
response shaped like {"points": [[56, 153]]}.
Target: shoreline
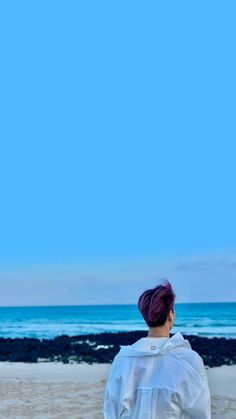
{"points": [[102, 348]]}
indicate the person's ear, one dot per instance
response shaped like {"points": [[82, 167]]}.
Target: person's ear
{"points": [[170, 316]]}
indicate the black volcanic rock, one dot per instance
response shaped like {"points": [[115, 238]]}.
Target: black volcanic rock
{"points": [[102, 348]]}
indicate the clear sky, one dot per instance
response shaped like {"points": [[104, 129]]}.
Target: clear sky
{"points": [[118, 144]]}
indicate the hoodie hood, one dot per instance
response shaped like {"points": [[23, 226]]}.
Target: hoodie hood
{"points": [[151, 346]]}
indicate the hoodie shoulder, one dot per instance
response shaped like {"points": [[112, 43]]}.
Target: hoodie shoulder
{"points": [[192, 358]]}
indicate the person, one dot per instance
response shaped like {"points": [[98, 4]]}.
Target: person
{"points": [[159, 376]]}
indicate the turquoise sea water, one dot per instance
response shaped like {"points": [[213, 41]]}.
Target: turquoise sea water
{"points": [[203, 319]]}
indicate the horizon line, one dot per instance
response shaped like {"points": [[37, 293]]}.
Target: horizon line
{"points": [[106, 304]]}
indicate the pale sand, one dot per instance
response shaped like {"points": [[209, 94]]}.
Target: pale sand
{"points": [[54, 390]]}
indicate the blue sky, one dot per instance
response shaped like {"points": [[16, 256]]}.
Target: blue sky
{"points": [[117, 142]]}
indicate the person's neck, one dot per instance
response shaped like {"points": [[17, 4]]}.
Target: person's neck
{"points": [[158, 334], [154, 336]]}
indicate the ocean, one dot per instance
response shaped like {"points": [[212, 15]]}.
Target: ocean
{"points": [[203, 319]]}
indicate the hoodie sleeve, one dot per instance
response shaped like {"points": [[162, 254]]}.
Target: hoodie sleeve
{"points": [[200, 406], [112, 408], [113, 404]]}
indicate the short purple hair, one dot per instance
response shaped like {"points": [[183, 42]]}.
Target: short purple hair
{"points": [[156, 303]]}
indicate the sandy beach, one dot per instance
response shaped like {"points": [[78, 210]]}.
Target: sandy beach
{"points": [[55, 390]]}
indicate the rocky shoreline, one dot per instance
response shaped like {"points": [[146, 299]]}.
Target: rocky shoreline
{"points": [[101, 348]]}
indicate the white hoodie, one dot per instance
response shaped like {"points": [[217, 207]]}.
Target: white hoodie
{"points": [[157, 378]]}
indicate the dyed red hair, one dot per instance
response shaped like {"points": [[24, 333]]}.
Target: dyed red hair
{"points": [[156, 303]]}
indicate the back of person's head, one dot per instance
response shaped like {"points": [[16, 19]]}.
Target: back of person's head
{"points": [[155, 304]]}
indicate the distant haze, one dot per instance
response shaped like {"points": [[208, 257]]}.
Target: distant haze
{"points": [[206, 279]]}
